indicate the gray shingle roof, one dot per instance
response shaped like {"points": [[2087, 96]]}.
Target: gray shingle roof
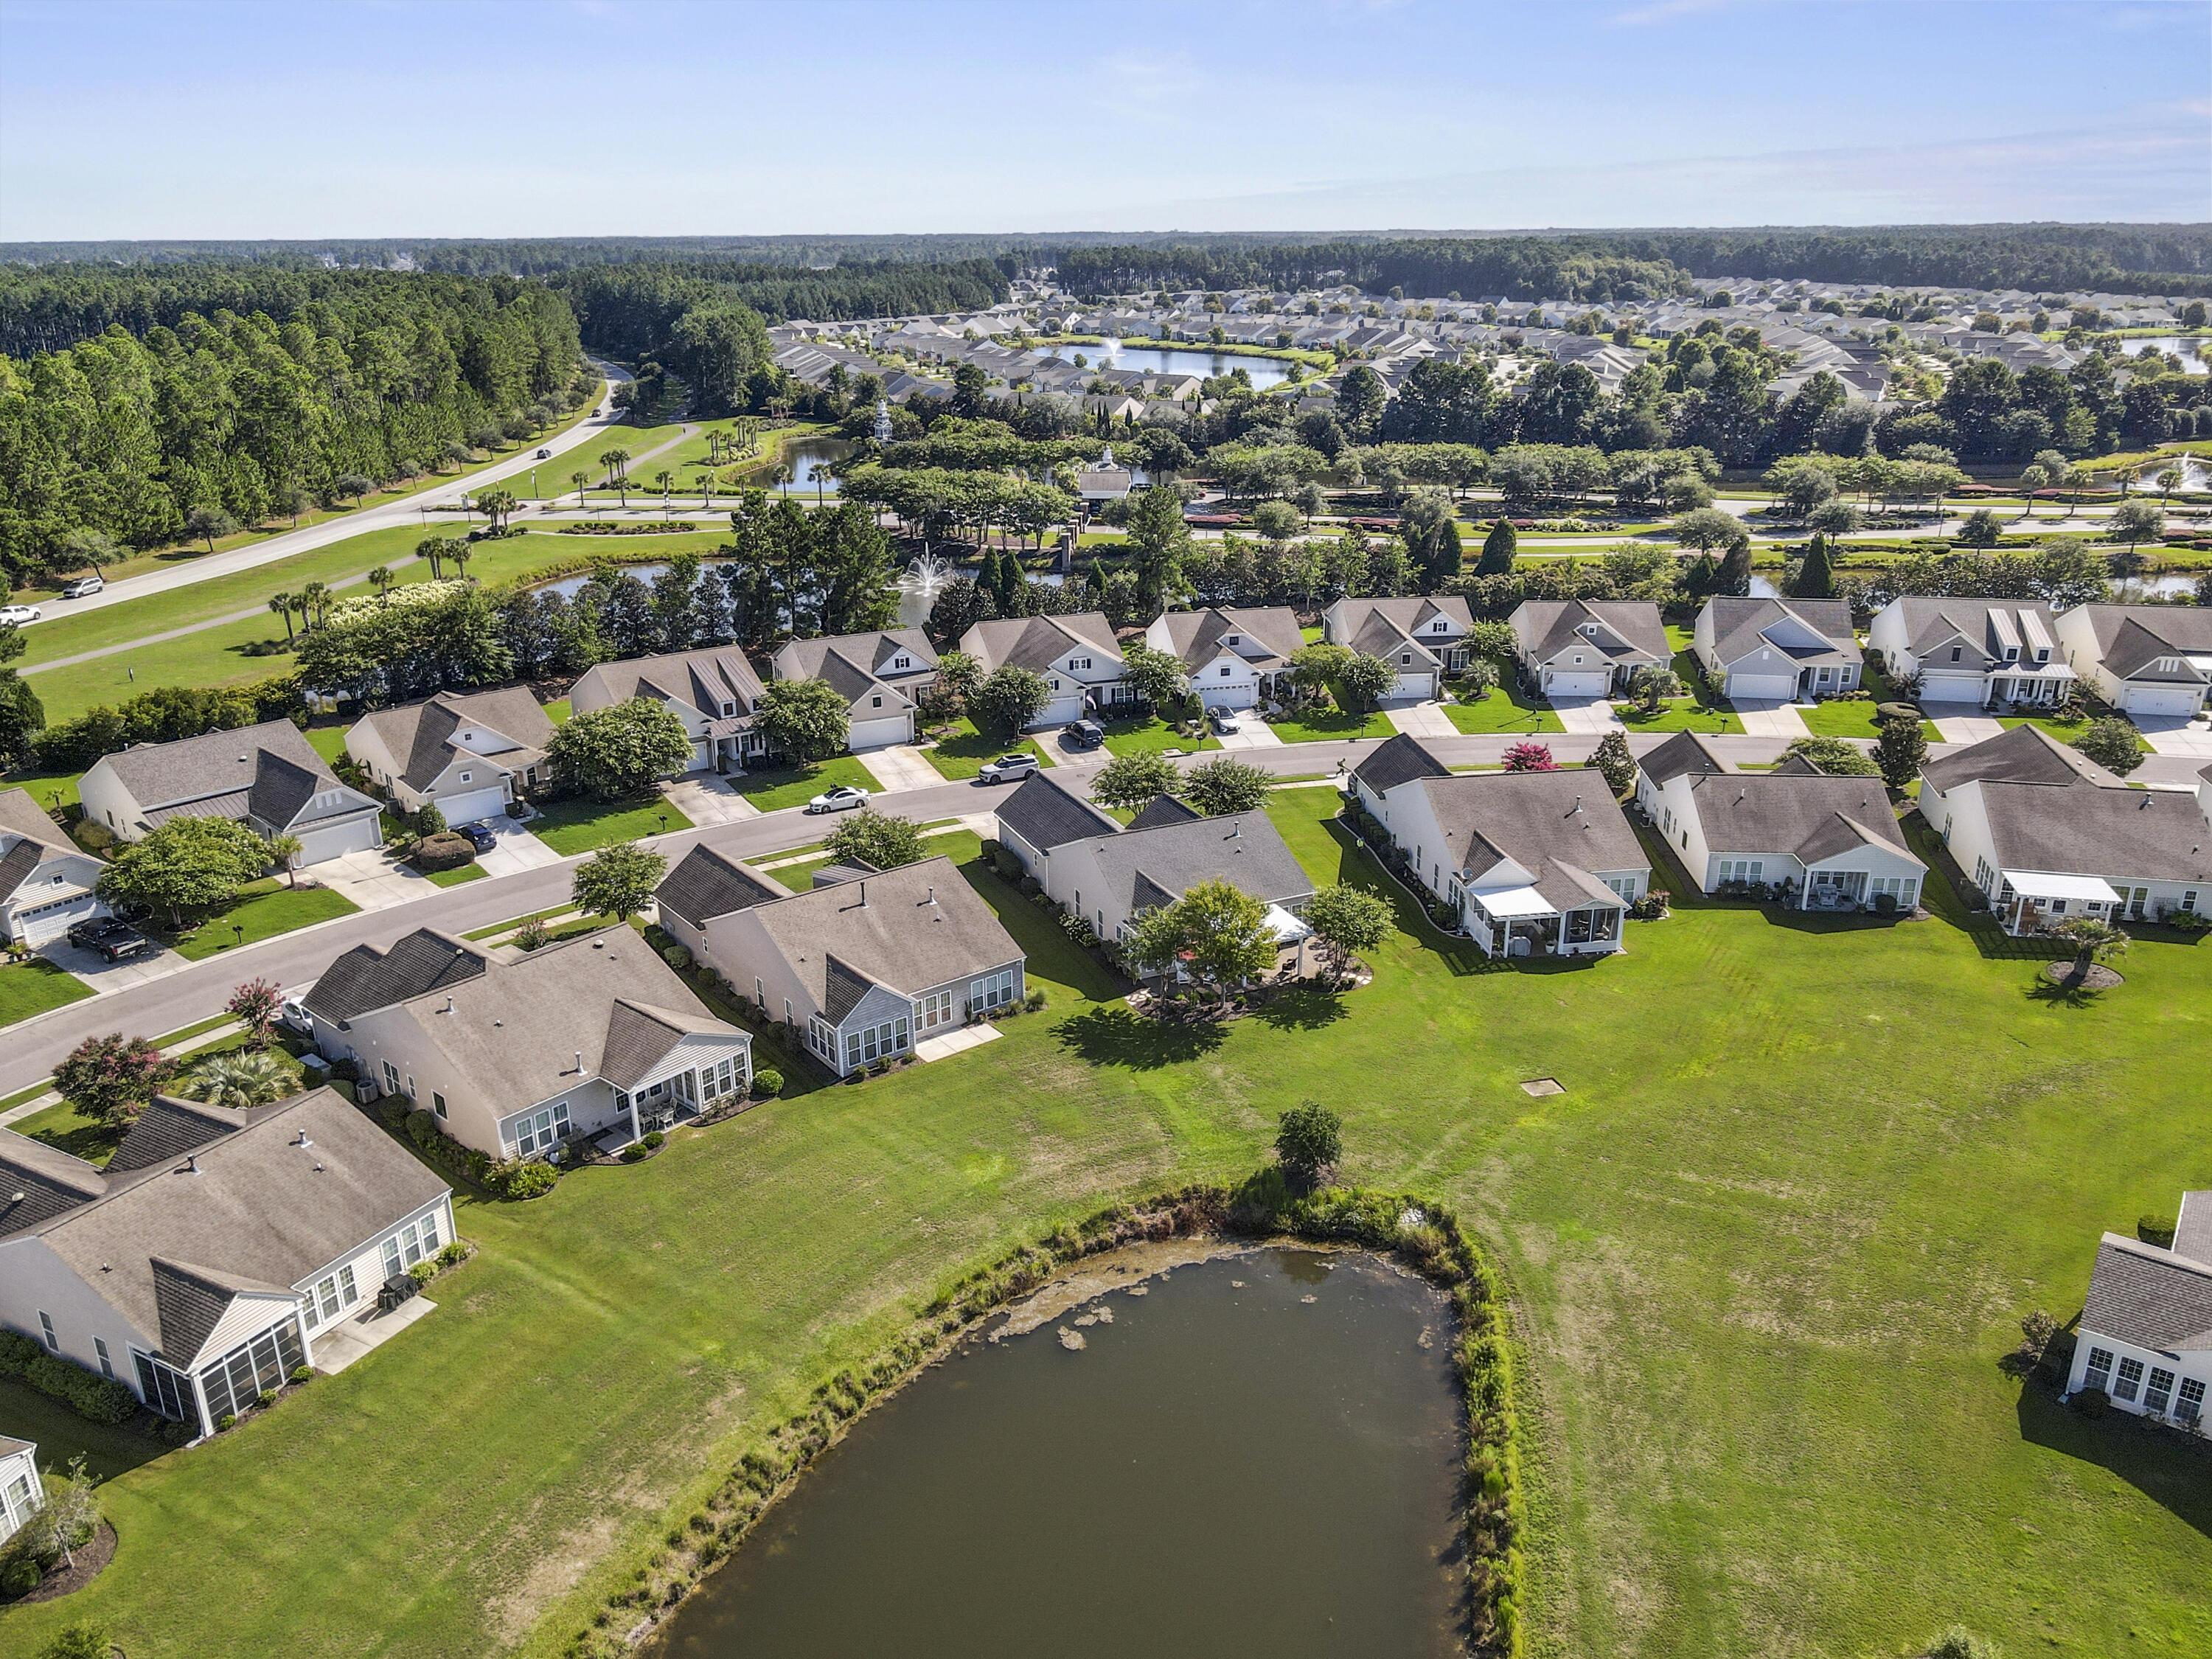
{"points": [[704, 884], [1684, 753], [269, 770], [2026, 754], [854, 662], [1560, 826], [1037, 642], [703, 679], [1808, 814], [1164, 809], [640, 1035], [22, 816], [1158, 865], [420, 735], [17, 863], [1740, 624], [366, 977], [191, 1302], [2193, 1227], [1396, 761], [169, 1129], [262, 1211], [1045, 815], [2150, 1298], [906, 929], [2086, 829], [2130, 636], [39, 1183], [1621, 630], [1267, 635]]}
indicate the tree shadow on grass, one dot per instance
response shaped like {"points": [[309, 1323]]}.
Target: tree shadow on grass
{"points": [[2164, 1465], [1357, 867], [1302, 1010], [1118, 1036]]}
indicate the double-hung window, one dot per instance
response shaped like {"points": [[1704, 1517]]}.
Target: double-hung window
{"points": [[2100, 1372], [413, 1242], [2128, 1383], [1743, 869], [391, 1078], [716, 1079], [2160, 1395], [331, 1296], [539, 1131], [936, 1009], [2190, 1406], [991, 991], [106, 1364], [46, 1330]]}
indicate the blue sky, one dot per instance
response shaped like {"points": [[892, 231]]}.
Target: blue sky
{"points": [[517, 118]]}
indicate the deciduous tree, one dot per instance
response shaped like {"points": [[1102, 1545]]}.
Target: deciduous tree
{"points": [[185, 864], [621, 749], [1347, 921], [1217, 787], [112, 1078], [878, 840], [1009, 699], [618, 881], [1135, 781]]}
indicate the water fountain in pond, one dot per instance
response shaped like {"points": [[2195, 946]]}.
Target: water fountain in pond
{"points": [[927, 576]]}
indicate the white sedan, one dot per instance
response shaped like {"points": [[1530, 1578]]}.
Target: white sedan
{"points": [[843, 798], [18, 614]]}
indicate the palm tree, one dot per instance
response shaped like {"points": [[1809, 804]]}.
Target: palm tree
{"points": [[380, 579], [2091, 936], [461, 553], [2168, 481], [432, 548], [580, 479], [239, 1079], [286, 850], [707, 490], [282, 604], [614, 460], [315, 597]]}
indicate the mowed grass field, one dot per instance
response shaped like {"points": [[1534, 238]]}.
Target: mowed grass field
{"points": [[1767, 1252]]}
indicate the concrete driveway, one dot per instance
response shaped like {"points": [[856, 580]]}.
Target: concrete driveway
{"points": [[517, 849], [1767, 717], [902, 765], [1425, 719], [104, 977], [703, 798], [2175, 734], [373, 880], [1590, 715]]}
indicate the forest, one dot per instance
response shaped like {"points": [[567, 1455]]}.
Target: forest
{"points": [[137, 407]]}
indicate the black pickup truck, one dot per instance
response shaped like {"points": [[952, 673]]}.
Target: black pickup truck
{"points": [[115, 940]]}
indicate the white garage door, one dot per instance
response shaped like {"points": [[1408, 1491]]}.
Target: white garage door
{"points": [[1415, 686], [2160, 699], [1741, 685], [877, 734], [473, 804], [336, 839], [1570, 683], [43, 922], [1231, 694]]}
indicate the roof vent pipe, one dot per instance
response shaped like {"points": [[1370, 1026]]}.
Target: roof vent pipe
{"points": [[579, 1062], [192, 1162], [449, 1002], [863, 894]]}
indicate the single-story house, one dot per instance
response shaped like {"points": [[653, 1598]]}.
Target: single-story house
{"points": [[47, 880], [1587, 648], [1424, 639], [1534, 863], [1076, 653], [1235, 655], [266, 777], [2145, 1335], [21, 1491], [2049, 834], [1831, 843], [1787, 650], [715, 690], [1109, 876], [1986, 652], [881, 675], [1104, 480], [593, 1036], [200, 1266], [863, 965], [2141, 659], [467, 753]]}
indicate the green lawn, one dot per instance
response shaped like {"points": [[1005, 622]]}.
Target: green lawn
{"points": [[60, 1434], [1504, 710], [963, 754], [44, 786], [1681, 715], [771, 790], [62, 1125], [581, 823], [455, 877], [1837, 718], [33, 987], [1151, 734], [1333, 724], [267, 908], [1767, 1254], [959, 845], [2064, 731]]}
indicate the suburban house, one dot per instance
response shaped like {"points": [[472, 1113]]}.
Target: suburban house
{"points": [[881, 676], [713, 690], [1077, 655], [466, 753], [1787, 650], [46, 879], [2141, 659], [2145, 1335], [1587, 648], [518, 1053], [1109, 876], [1235, 656], [1829, 843], [217, 1248], [1424, 639], [1103, 480], [21, 1491], [1533, 863], [266, 777], [2048, 834], [1987, 652], [863, 966]]}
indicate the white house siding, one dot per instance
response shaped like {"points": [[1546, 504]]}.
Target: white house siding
{"points": [[39, 923], [20, 1492], [366, 1262], [35, 1280], [468, 806], [106, 801], [1958, 819], [1753, 679], [1227, 683], [1576, 682], [2192, 1365], [391, 1035], [360, 834]]}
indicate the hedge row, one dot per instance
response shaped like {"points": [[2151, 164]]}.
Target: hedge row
{"points": [[90, 1396], [1423, 1236]]}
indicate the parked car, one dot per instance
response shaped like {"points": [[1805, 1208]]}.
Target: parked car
{"points": [[544, 455], [294, 1013], [1006, 767], [82, 588], [843, 798], [18, 613], [1222, 720], [115, 941], [477, 836], [1084, 734]]}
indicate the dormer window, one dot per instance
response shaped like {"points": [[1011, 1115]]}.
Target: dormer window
{"points": [[465, 776], [2012, 653], [2042, 653], [729, 709]]}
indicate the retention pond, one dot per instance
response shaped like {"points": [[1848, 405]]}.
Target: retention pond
{"points": [[1253, 1454]]}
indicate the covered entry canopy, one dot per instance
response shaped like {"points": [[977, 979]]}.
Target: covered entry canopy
{"points": [[2036, 884]]}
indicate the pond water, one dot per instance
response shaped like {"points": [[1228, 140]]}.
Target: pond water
{"points": [[1257, 1457], [2192, 348], [806, 458], [1171, 360], [567, 586]]}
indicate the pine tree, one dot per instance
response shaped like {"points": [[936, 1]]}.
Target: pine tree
{"points": [[1816, 577], [1735, 569], [1499, 548], [1442, 558]]}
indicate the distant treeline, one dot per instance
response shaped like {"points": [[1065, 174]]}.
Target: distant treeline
{"points": [[138, 406], [1630, 265]]}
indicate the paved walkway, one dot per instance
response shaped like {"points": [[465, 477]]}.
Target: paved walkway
{"points": [[1965, 728], [1594, 716], [1419, 720], [704, 798], [955, 1041], [902, 765], [1765, 718]]}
